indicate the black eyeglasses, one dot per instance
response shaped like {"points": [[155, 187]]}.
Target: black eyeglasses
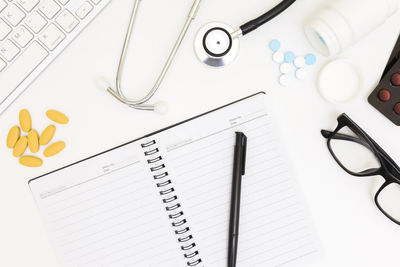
{"points": [[359, 155]]}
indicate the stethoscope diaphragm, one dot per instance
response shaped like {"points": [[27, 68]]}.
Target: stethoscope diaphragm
{"points": [[214, 45]]}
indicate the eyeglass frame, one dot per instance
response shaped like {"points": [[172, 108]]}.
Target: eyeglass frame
{"points": [[389, 170]]}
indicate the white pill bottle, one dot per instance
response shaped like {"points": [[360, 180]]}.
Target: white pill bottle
{"points": [[343, 22]]}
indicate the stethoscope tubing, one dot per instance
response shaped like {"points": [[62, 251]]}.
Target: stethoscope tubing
{"points": [[139, 104], [264, 18]]}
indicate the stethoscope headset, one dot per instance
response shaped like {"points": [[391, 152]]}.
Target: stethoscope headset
{"points": [[216, 45]]}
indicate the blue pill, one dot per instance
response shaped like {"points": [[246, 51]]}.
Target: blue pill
{"points": [[275, 45], [311, 59], [289, 57]]}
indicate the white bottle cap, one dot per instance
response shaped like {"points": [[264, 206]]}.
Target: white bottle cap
{"points": [[343, 22], [339, 81]]}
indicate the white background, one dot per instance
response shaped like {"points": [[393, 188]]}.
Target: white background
{"points": [[353, 232]]}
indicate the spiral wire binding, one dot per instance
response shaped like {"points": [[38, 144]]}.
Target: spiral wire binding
{"points": [[172, 206]]}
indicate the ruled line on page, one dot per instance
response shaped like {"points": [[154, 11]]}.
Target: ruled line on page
{"points": [[99, 205], [227, 166], [58, 210], [215, 133], [285, 244], [89, 180], [227, 144], [112, 226], [101, 240], [224, 141], [296, 258], [265, 215], [289, 251]]}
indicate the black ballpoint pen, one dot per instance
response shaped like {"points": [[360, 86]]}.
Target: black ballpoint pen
{"points": [[238, 170]]}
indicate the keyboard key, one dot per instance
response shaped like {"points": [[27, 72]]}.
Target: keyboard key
{"points": [[49, 8], [67, 21], [22, 36], [84, 10], [5, 29], [36, 22], [9, 50], [28, 5], [96, 1], [63, 2], [3, 5], [51, 37], [3, 64], [13, 14], [25, 64]]}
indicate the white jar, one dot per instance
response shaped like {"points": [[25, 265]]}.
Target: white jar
{"points": [[344, 22]]}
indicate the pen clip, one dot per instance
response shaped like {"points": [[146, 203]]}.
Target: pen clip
{"points": [[244, 152]]}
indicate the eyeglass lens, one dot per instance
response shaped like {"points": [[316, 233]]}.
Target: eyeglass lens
{"points": [[355, 157], [389, 200]]}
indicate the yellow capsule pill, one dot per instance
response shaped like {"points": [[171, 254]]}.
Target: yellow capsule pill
{"points": [[54, 149], [25, 120], [20, 146], [47, 135], [57, 116], [13, 136], [30, 161], [33, 141]]}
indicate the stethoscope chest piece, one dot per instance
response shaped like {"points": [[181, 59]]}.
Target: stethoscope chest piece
{"points": [[214, 45]]}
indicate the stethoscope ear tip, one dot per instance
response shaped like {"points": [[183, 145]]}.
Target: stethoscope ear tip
{"points": [[102, 84], [161, 108]]}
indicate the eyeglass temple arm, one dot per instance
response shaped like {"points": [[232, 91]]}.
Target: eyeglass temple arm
{"points": [[382, 153], [339, 136]]}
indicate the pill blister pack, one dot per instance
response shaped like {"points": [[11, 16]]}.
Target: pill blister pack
{"points": [[289, 62], [386, 96]]}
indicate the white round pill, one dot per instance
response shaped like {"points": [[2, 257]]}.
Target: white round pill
{"points": [[284, 79], [278, 57], [300, 62], [285, 68], [301, 73]]}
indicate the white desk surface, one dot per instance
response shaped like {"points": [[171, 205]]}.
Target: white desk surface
{"points": [[352, 230]]}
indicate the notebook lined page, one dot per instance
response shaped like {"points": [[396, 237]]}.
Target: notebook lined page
{"points": [[274, 227], [106, 211]]}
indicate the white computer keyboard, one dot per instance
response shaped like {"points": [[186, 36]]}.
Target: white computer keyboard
{"points": [[32, 34]]}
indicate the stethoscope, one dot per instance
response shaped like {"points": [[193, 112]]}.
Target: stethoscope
{"points": [[216, 44]]}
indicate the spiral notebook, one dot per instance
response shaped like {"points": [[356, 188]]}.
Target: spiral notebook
{"points": [[163, 200]]}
